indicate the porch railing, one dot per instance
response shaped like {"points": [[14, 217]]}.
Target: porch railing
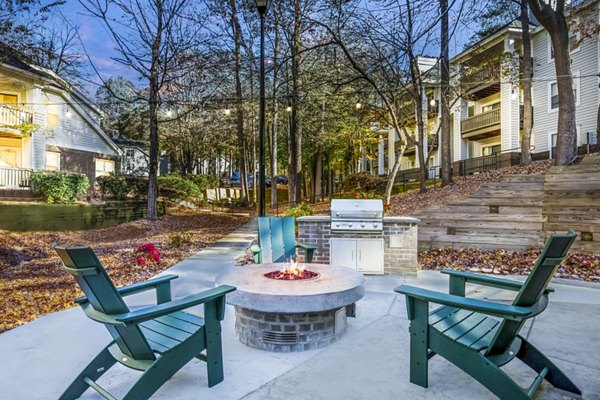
{"points": [[480, 121], [11, 116], [14, 178]]}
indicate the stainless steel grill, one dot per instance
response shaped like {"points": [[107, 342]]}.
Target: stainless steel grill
{"points": [[356, 215]]}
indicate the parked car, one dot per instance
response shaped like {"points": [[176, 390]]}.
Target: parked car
{"points": [[283, 180], [251, 180]]}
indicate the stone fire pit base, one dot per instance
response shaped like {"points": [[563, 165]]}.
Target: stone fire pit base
{"points": [[284, 333], [292, 315]]}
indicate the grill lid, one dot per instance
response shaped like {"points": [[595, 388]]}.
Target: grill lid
{"points": [[363, 209]]}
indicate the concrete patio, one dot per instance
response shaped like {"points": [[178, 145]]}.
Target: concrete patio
{"points": [[370, 361]]}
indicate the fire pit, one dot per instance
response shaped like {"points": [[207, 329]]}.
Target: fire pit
{"points": [[277, 312], [292, 272]]}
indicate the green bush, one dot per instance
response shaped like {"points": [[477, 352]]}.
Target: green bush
{"points": [[59, 187], [204, 181], [299, 211], [121, 187], [174, 189], [364, 182]]}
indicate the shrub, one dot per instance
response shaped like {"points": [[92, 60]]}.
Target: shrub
{"points": [[299, 211], [180, 238], [203, 181], [364, 182], [175, 189], [120, 187], [147, 254], [59, 187]]}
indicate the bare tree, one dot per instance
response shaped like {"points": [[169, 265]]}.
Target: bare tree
{"points": [[154, 39], [444, 96], [551, 14], [526, 67]]}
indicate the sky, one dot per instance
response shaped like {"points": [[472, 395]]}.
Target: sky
{"points": [[100, 47]]}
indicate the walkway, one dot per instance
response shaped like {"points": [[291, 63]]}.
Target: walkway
{"points": [[370, 361]]}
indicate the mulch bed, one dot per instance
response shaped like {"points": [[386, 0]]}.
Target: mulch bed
{"points": [[33, 284]]}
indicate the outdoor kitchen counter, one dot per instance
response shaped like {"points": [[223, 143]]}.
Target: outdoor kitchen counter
{"points": [[397, 244], [327, 218]]}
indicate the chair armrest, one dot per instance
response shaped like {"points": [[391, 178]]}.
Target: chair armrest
{"points": [[255, 249], [507, 311], [485, 280], [145, 314], [138, 287], [305, 246]]}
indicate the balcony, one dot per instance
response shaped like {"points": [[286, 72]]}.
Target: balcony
{"points": [[481, 126], [11, 118], [15, 178]]}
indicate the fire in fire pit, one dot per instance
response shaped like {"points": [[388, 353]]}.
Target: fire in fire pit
{"points": [[292, 272]]}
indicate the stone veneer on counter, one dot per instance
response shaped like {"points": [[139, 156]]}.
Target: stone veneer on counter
{"points": [[399, 241]]}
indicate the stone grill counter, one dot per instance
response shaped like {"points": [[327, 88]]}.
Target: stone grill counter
{"points": [[399, 241]]}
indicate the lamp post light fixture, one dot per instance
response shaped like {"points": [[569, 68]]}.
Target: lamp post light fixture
{"points": [[262, 7]]}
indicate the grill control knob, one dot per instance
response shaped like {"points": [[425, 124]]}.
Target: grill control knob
{"points": [[350, 225], [362, 225], [337, 225], [375, 225]]}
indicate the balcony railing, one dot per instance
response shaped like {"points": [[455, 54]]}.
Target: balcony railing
{"points": [[480, 121], [11, 116], [14, 178]]}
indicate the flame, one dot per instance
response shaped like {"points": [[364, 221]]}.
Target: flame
{"points": [[292, 267]]}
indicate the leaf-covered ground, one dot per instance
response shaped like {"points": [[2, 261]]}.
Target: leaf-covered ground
{"points": [[32, 282], [584, 267]]}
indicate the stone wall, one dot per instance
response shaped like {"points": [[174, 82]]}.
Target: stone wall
{"points": [[399, 241]]}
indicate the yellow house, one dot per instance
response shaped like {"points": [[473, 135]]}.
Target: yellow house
{"points": [[45, 124]]}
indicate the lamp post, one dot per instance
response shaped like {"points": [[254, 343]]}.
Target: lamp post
{"points": [[262, 6]]}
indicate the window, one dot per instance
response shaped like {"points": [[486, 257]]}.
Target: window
{"points": [[104, 167], [574, 37], [129, 153], [491, 150], [9, 99], [52, 116], [553, 92], [552, 144], [52, 161], [553, 96], [490, 107]]}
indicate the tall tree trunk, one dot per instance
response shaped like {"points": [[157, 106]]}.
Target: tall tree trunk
{"points": [[275, 110], [526, 74], [154, 100], [237, 36], [445, 134], [553, 19], [296, 131]]}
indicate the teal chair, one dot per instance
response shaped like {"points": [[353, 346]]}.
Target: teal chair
{"points": [[277, 241], [480, 336], [157, 340]]}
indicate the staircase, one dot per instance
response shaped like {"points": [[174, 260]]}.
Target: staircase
{"points": [[505, 214], [521, 211], [572, 201]]}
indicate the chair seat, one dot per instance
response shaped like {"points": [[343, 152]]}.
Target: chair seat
{"points": [[166, 332], [468, 328]]}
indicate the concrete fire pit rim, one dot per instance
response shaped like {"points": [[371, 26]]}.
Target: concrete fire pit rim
{"points": [[337, 287]]}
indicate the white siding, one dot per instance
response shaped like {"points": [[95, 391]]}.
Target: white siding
{"points": [[74, 131], [585, 64]]}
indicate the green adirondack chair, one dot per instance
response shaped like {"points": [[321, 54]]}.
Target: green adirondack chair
{"points": [[157, 340], [480, 336], [277, 241]]}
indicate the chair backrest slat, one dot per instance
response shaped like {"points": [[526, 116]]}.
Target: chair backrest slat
{"points": [[277, 239], [289, 238], [277, 248], [82, 263], [264, 239], [554, 252]]}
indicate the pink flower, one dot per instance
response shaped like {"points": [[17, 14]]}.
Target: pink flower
{"points": [[141, 260], [154, 255]]}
